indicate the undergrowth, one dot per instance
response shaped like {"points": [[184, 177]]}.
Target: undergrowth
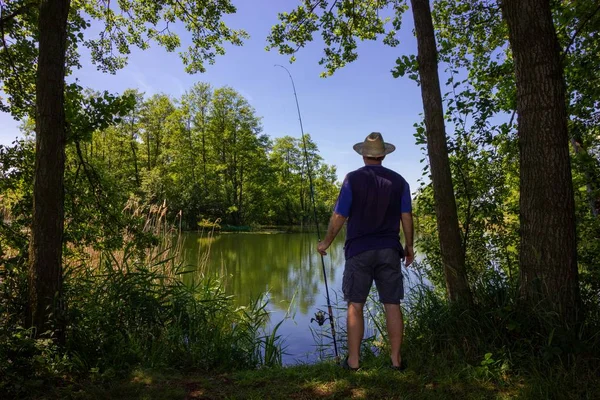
{"points": [[130, 309]]}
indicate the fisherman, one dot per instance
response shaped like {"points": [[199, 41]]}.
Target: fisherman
{"points": [[374, 200]]}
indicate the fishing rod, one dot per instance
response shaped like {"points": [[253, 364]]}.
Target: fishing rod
{"points": [[312, 197]]}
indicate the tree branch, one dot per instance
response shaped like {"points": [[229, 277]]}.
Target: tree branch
{"points": [[299, 24], [5, 44], [578, 31], [21, 10]]}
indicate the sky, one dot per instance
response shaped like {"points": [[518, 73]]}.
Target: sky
{"points": [[337, 112]]}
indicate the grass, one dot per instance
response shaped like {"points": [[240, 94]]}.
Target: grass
{"points": [[439, 378], [325, 380]]}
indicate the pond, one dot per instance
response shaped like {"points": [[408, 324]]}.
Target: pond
{"points": [[288, 268]]}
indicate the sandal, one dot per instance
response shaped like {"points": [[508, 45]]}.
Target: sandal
{"points": [[399, 368], [347, 366]]}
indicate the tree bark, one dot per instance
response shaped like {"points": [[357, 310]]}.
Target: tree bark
{"points": [[45, 273], [452, 252], [548, 259]]}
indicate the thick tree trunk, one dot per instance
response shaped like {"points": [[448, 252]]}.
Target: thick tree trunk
{"points": [[548, 260], [45, 273], [453, 256]]}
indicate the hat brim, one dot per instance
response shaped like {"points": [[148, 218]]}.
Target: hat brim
{"points": [[388, 148]]}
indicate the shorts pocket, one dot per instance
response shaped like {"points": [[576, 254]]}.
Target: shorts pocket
{"points": [[347, 285]]}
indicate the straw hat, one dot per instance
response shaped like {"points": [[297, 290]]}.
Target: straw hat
{"points": [[374, 146]]}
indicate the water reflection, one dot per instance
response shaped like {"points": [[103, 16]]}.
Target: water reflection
{"points": [[285, 265]]}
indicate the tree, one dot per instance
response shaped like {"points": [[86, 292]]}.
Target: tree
{"points": [[156, 114], [341, 23], [548, 262], [196, 103], [60, 29], [234, 133], [452, 249], [45, 273]]}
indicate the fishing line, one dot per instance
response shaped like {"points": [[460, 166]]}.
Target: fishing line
{"points": [[318, 316]]}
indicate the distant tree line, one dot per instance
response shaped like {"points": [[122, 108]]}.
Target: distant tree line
{"points": [[206, 157]]}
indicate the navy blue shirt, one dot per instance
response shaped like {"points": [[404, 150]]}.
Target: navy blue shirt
{"points": [[373, 198]]}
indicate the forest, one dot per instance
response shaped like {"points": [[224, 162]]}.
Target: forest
{"points": [[95, 194]]}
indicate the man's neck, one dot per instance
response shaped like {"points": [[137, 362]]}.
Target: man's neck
{"points": [[370, 163]]}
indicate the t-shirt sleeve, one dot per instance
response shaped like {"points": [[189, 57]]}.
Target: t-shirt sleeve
{"points": [[406, 201], [344, 201]]}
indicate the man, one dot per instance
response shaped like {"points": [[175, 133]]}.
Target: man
{"points": [[374, 200]]}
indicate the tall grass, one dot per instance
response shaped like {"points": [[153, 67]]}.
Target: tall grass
{"points": [[130, 308]]}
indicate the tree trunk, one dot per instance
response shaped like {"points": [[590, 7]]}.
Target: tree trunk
{"points": [[133, 152], [204, 155], [192, 150], [148, 152], [548, 259], [45, 273], [452, 252], [241, 196], [135, 163]]}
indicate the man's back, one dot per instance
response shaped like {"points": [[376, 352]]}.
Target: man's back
{"points": [[378, 198]]}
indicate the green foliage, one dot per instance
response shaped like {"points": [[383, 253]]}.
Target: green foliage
{"points": [[137, 23], [123, 24], [89, 112], [290, 202], [16, 176], [27, 364], [205, 155], [495, 338], [340, 23]]}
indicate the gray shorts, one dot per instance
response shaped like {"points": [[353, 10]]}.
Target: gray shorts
{"points": [[381, 265]]}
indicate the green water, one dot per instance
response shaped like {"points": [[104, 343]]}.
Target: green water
{"points": [[286, 265]]}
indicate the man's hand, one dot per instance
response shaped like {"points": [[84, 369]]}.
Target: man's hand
{"points": [[335, 224], [322, 246], [409, 255]]}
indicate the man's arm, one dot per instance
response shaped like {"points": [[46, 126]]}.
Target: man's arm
{"points": [[407, 228], [335, 224]]}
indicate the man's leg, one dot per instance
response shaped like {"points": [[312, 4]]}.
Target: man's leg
{"points": [[356, 328], [395, 328]]}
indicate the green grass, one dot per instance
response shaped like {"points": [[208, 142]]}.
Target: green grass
{"points": [[438, 379], [325, 380]]}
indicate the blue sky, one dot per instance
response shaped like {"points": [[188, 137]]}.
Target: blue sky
{"points": [[337, 111]]}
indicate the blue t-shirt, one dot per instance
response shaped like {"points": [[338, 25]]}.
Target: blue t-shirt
{"points": [[373, 199]]}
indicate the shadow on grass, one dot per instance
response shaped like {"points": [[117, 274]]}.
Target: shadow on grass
{"points": [[323, 381], [331, 382], [437, 379]]}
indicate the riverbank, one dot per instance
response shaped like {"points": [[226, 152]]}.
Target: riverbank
{"points": [[438, 379], [218, 227]]}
